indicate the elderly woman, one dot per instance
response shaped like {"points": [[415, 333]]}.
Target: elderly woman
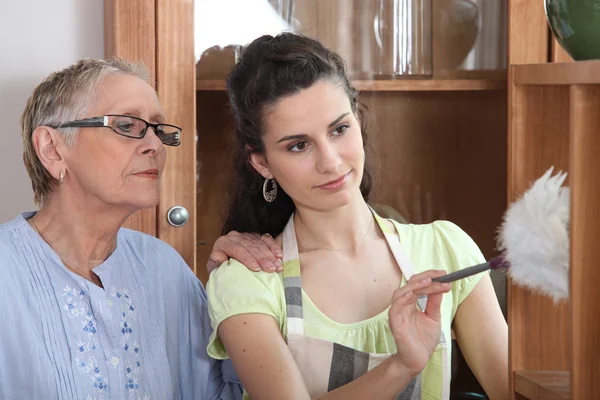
{"points": [[90, 310]]}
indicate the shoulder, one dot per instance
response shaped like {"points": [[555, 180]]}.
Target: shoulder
{"points": [[232, 286], [446, 238], [237, 277], [151, 245], [160, 262], [233, 289], [149, 249], [14, 227], [13, 234], [458, 247], [14, 249]]}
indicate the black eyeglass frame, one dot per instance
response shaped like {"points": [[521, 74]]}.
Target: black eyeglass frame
{"points": [[102, 122]]}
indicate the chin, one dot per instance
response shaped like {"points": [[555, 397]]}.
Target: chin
{"points": [[144, 199], [335, 201]]}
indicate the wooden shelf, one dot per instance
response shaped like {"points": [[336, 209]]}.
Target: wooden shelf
{"points": [[204, 85], [543, 385], [430, 85], [396, 85], [569, 73]]}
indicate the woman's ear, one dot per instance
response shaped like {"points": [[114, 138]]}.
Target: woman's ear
{"points": [[47, 143], [258, 162]]}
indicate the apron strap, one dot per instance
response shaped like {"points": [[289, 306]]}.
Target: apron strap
{"points": [[393, 239], [292, 281]]}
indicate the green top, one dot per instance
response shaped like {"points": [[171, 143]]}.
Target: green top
{"points": [[233, 290]]}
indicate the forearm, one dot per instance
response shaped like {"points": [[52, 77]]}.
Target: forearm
{"points": [[386, 381], [482, 335], [495, 379]]}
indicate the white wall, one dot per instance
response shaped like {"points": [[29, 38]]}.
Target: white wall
{"points": [[37, 37]]}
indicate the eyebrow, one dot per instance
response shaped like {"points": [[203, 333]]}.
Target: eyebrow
{"points": [[302, 136], [134, 112]]}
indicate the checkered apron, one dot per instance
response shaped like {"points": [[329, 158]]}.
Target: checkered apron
{"points": [[325, 365]]}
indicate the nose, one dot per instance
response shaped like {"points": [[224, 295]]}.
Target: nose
{"points": [[151, 144], [329, 161]]}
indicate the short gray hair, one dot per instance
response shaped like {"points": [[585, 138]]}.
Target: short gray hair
{"points": [[65, 96]]}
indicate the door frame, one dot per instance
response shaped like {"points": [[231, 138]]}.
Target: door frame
{"points": [[160, 33]]}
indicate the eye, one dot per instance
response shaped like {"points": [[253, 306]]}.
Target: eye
{"points": [[125, 126], [340, 130], [298, 147]]}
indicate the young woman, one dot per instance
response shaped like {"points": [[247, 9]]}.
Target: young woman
{"points": [[324, 327]]}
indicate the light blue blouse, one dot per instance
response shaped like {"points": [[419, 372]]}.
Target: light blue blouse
{"points": [[143, 336]]}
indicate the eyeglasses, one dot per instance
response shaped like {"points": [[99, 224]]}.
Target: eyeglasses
{"points": [[128, 126]]}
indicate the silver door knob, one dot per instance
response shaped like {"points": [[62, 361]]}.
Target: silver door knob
{"points": [[177, 216]]}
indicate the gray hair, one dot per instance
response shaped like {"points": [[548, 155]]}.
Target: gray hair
{"points": [[65, 96]]}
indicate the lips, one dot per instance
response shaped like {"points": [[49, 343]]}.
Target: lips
{"points": [[336, 183], [148, 173]]}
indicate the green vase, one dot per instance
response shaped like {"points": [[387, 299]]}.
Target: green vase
{"points": [[576, 26]]}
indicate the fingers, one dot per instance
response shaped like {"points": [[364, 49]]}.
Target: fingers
{"points": [[421, 285], [261, 249], [432, 309], [272, 245], [401, 300], [248, 249], [215, 259]]}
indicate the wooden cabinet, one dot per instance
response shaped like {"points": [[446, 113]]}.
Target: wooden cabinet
{"points": [[554, 121], [459, 146]]}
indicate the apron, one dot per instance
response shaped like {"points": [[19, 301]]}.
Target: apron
{"points": [[326, 366]]}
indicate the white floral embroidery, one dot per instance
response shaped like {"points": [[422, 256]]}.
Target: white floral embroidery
{"points": [[133, 360], [77, 306], [88, 358]]}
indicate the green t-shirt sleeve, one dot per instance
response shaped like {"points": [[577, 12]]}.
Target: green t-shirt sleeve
{"points": [[233, 289], [459, 251]]}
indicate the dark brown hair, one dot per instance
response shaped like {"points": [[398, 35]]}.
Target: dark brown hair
{"points": [[269, 69]]}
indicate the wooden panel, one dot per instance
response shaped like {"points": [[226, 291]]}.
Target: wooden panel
{"points": [[527, 32], [495, 81], [558, 53], [214, 170], [543, 385], [530, 336], [585, 231], [443, 155], [176, 88], [123, 22], [538, 139], [431, 84], [581, 72]]}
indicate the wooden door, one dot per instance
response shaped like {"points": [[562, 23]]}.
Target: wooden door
{"points": [[160, 33]]}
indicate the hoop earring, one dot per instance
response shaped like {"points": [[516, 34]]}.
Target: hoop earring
{"points": [[270, 195], [61, 176]]}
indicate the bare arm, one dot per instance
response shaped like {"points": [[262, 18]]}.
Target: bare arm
{"points": [[482, 335], [268, 371]]}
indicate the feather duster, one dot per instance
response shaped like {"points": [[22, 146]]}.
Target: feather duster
{"points": [[534, 240], [534, 237]]}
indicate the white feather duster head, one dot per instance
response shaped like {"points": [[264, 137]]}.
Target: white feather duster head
{"points": [[534, 237]]}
